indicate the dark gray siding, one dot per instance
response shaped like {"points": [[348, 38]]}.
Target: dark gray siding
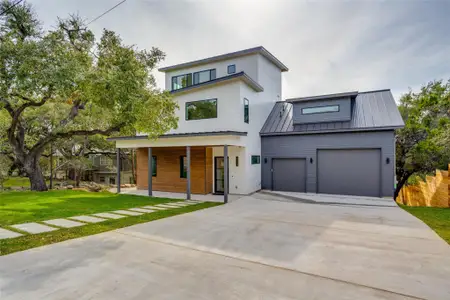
{"points": [[307, 145], [289, 174], [349, 172], [344, 113]]}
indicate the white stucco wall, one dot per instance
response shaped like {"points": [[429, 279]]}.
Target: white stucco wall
{"points": [[248, 64]]}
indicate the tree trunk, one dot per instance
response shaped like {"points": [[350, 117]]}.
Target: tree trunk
{"points": [[37, 180], [401, 183], [77, 177], [133, 165]]}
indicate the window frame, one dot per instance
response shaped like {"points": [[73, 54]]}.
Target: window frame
{"points": [[210, 76], [105, 161], [246, 112], [258, 159], [154, 166], [183, 174], [190, 102], [321, 112], [234, 69], [176, 76]]}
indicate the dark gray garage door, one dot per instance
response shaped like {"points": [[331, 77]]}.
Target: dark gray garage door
{"points": [[289, 174], [349, 172]]}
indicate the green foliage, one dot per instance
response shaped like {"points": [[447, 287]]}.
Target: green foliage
{"points": [[423, 144], [437, 218], [62, 83]]}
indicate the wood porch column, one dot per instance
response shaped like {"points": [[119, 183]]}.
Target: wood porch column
{"points": [[150, 172], [225, 173], [188, 172], [118, 170]]}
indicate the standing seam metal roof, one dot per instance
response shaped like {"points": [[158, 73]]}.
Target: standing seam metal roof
{"points": [[374, 110]]}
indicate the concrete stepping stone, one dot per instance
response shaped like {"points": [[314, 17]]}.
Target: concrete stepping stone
{"points": [[166, 206], [142, 210], [127, 212], [154, 207], [7, 234], [108, 216], [34, 228], [63, 223], [88, 219], [180, 204]]}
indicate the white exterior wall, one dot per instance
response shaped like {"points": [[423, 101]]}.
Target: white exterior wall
{"points": [[260, 105], [228, 103], [248, 64], [246, 178]]}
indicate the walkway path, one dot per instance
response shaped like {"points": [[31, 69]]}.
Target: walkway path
{"points": [[18, 230]]}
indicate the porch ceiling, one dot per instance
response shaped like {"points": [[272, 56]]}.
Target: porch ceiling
{"points": [[230, 138]]}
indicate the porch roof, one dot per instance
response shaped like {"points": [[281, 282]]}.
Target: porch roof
{"points": [[174, 135], [211, 138]]}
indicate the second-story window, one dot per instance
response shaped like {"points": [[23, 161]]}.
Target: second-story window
{"points": [[246, 111], [204, 76], [203, 109], [231, 69], [181, 81]]}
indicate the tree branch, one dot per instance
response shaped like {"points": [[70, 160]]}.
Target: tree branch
{"points": [[61, 135]]}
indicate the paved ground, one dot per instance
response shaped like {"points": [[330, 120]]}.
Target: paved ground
{"points": [[252, 248]]}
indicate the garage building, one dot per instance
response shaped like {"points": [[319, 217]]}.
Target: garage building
{"points": [[334, 144]]}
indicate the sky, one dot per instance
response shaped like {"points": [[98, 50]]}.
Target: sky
{"points": [[328, 46]]}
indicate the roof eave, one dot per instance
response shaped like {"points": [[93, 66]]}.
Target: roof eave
{"points": [[178, 135], [385, 128], [238, 76]]}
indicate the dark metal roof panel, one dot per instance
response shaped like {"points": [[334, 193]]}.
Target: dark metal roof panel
{"points": [[375, 110], [323, 97]]}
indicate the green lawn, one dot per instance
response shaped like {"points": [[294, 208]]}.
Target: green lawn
{"points": [[437, 218], [22, 207]]}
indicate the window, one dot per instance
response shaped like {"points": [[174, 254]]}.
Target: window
{"points": [[256, 159], [246, 111], [231, 69], [153, 165], [181, 81], [320, 109], [203, 109], [102, 179], [183, 167], [204, 76], [105, 161]]}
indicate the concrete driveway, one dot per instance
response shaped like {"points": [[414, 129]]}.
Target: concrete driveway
{"points": [[254, 248]]}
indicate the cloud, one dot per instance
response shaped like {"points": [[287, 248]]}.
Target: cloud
{"points": [[329, 46]]}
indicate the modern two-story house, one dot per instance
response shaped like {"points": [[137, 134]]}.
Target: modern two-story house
{"points": [[235, 135]]}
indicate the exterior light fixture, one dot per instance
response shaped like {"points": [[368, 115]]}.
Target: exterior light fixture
{"points": [[311, 160]]}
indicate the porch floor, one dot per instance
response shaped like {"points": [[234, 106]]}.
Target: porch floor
{"points": [[199, 197]]}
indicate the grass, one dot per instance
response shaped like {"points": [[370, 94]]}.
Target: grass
{"points": [[22, 207], [437, 219]]}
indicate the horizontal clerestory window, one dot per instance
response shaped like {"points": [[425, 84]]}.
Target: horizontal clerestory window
{"points": [[320, 109], [204, 76], [202, 109]]}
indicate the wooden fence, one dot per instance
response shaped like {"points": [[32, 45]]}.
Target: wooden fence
{"points": [[434, 192]]}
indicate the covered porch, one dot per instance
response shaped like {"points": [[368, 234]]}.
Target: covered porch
{"points": [[194, 167]]}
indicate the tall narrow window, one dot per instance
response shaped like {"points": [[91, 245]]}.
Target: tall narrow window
{"points": [[153, 165], [183, 167], [246, 111]]}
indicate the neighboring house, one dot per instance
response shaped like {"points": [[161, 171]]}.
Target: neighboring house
{"points": [[231, 104], [104, 169]]}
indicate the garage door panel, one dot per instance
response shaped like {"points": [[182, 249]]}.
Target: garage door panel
{"points": [[289, 174], [349, 172]]}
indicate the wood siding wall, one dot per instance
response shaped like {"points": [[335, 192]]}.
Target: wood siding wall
{"points": [[434, 192], [167, 177]]}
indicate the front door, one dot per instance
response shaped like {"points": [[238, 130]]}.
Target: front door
{"points": [[219, 175]]}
